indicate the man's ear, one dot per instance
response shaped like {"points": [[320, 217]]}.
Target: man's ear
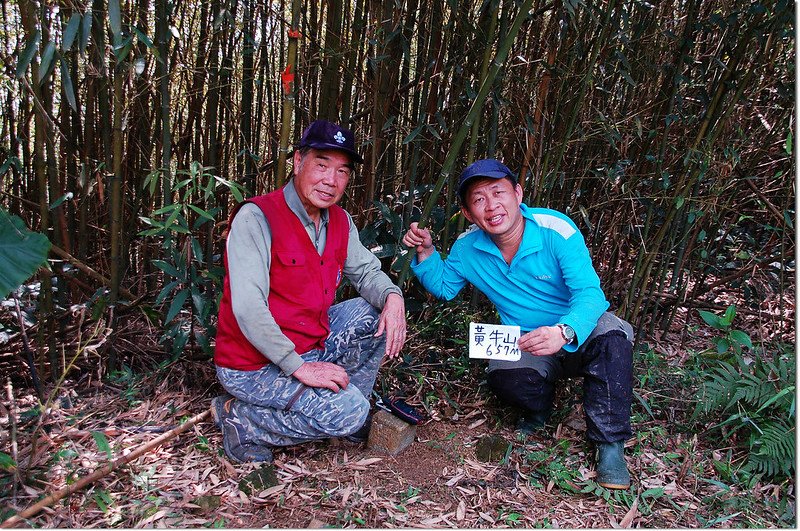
{"points": [[296, 161], [518, 191], [467, 215]]}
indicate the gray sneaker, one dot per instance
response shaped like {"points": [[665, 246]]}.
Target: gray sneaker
{"points": [[234, 434], [218, 404]]}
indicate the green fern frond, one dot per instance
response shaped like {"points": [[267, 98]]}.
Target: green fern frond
{"points": [[759, 398]]}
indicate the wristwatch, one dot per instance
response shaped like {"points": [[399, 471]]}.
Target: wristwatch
{"points": [[566, 332]]}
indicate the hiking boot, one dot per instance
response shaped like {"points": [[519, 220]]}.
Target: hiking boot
{"points": [[612, 471], [361, 434], [234, 434], [532, 421]]}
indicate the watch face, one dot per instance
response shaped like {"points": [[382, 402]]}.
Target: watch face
{"points": [[569, 332]]}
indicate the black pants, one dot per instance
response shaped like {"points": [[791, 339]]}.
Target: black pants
{"points": [[606, 364]]}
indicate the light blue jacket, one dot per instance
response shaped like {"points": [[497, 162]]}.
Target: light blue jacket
{"points": [[550, 280]]}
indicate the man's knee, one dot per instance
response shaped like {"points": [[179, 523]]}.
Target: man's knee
{"points": [[610, 359], [522, 387], [612, 346], [346, 414], [357, 316], [609, 322]]}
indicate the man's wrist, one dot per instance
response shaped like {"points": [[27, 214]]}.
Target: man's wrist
{"points": [[567, 333], [425, 253]]}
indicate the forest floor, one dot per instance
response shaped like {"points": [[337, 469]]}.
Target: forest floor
{"points": [[543, 480]]}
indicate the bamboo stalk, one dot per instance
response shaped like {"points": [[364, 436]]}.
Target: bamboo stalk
{"points": [[17, 519], [26, 346], [473, 140], [477, 104], [289, 92]]}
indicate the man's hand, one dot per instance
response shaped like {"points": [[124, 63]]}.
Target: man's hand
{"points": [[393, 322], [322, 374], [543, 341], [421, 239]]}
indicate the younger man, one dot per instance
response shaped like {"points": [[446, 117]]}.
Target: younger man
{"points": [[533, 264]]}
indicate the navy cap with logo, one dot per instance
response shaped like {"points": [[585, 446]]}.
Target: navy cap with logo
{"points": [[491, 168], [322, 134]]}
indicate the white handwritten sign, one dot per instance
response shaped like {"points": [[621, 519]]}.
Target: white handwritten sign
{"points": [[493, 342]]}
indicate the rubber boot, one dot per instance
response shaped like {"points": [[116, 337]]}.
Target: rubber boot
{"points": [[612, 471]]}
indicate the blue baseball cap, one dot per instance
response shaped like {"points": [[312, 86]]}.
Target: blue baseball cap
{"points": [[322, 134], [491, 168]]}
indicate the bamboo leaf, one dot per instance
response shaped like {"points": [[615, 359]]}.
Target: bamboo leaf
{"points": [[235, 189], [27, 54], [169, 208], [60, 200], [179, 229], [788, 219], [86, 30], [70, 32], [66, 83], [202, 213], [45, 66], [102, 442], [165, 291], [413, 134], [197, 249], [172, 217], [6, 463], [143, 38], [12, 160], [166, 267], [628, 78], [151, 181], [177, 304], [122, 49], [198, 301], [115, 20]]}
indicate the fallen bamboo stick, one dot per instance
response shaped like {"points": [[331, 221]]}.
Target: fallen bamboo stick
{"points": [[88, 270], [13, 521]]}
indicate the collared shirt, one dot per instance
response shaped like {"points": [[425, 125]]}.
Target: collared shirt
{"points": [[550, 279], [249, 251]]}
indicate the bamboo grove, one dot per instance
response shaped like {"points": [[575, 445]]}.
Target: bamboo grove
{"points": [[664, 129]]}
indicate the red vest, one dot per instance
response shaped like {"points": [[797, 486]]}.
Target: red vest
{"points": [[302, 285]]}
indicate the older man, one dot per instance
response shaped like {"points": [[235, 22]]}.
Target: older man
{"points": [[297, 367], [533, 264]]}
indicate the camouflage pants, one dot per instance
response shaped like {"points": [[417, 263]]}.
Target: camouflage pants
{"points": [[278, 410]]}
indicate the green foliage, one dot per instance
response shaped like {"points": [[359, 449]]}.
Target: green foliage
{"points": [[730, 339], [131, 382], [22, 252], [103, 500], [557, 465], [189, 276], [6, 462], [757, 399], [102, 442]]}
